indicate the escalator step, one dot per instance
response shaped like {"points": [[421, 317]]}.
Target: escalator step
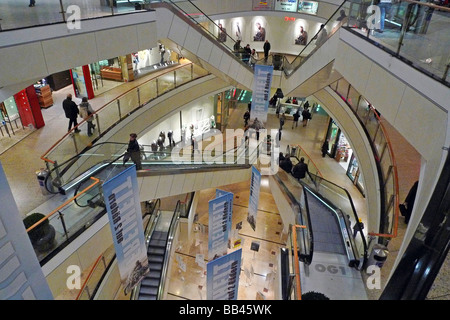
{"points": [[150, 282], [147, 297], [154, 275], [157, 243], [156, 258], [148, 290], [160, 235], [155, 251], [155, 266]]}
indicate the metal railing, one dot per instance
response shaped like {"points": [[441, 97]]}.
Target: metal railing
{"points": [[413, 32], [118, 109], [384, 155]]}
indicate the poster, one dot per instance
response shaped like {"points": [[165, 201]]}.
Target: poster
{"points": [[222, 277], [21, 276], [121, 195], [230, 197], [259, 5], [286, 5], [255, 185], [309, 7], [219, 226], [261, 92]]}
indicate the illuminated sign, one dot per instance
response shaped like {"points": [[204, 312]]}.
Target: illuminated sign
{"points": [[286, 5], [309, 7]]}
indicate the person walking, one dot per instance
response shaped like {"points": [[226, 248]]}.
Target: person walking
{"points": [[253, 58], [266, 48], [134, 151], [300, 170], [246, 118], [306, 116], [32, 3], [321, 36], [282, 121], [71, 111], [407, 206], [325, 147], [385, 8], [296, 116], [85, 112]]}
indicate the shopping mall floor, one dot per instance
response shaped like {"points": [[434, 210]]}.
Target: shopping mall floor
{"points": [[21, 160]]}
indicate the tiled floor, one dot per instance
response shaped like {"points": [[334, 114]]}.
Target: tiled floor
{"points": [[21, 160]]}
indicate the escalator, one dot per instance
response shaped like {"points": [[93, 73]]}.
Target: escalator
{"points": [[330, 255], [159, 243]]}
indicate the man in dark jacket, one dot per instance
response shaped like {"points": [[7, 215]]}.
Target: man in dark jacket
{"points": [[134, 151], [71, 111], [300, 169], [286, 165]]}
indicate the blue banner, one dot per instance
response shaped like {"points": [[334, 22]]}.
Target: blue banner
{"points": [[121, 195], [230, 195], [21, 276], [219, 224], [255, 184], [222, 277], [261, 92]]}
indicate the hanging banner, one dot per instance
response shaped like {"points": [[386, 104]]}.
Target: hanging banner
{"points": [[222, 277], [261, 92], [255, 185], [259, 5], [219, 225], [121, 195], [220, 193], [286, 5], [21, 276]]}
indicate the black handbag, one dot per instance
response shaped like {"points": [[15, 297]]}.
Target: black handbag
{"points": [[402, 208]]}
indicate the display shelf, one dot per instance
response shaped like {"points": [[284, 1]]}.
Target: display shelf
{"points": [[44, 94]]}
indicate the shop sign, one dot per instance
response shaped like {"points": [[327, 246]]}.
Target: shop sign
{"points": [[259, 5], [309, 7], [286, 5]]}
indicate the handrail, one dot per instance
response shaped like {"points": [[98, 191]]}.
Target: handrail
{"points": [[298, 287], [170, 235], [64, 204], [309, 158], [43, 157], [428, 4], [89, 276], [396, 186]]}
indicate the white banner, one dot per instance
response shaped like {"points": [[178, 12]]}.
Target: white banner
{"points": [[261, 92], [121, 195], [219, 226], [222, 277]]}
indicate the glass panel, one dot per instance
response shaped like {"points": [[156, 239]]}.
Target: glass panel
{"points": [[147, 91], [128, 102], [353, 98]]}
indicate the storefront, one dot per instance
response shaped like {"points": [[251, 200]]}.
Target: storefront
{"points": [[355, 174], [340, 150]]}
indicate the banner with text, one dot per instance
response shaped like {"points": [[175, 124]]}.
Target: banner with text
{"points": [[219, 224], [21, 276], [261, 92], [121, 195], [222, 277], [220, 193], [255, 184]]}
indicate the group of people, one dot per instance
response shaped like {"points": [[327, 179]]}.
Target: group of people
{"points": [[298, 171], [72, 112]]}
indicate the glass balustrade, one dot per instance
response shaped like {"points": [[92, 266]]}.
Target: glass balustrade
{"points": [[70, 145]]}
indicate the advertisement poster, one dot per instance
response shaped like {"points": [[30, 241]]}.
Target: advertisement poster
{"points": [[286, 5], [309, 7], [255, 185], [230, 196], [21, 276], [261, 92], [121, 195], [222, 277], [219, 225], [259, 5]]}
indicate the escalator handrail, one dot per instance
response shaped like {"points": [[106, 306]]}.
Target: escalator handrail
{"points": [[354, 213], [308, 242], [299, 56], [200, 29], [170, 236]]}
